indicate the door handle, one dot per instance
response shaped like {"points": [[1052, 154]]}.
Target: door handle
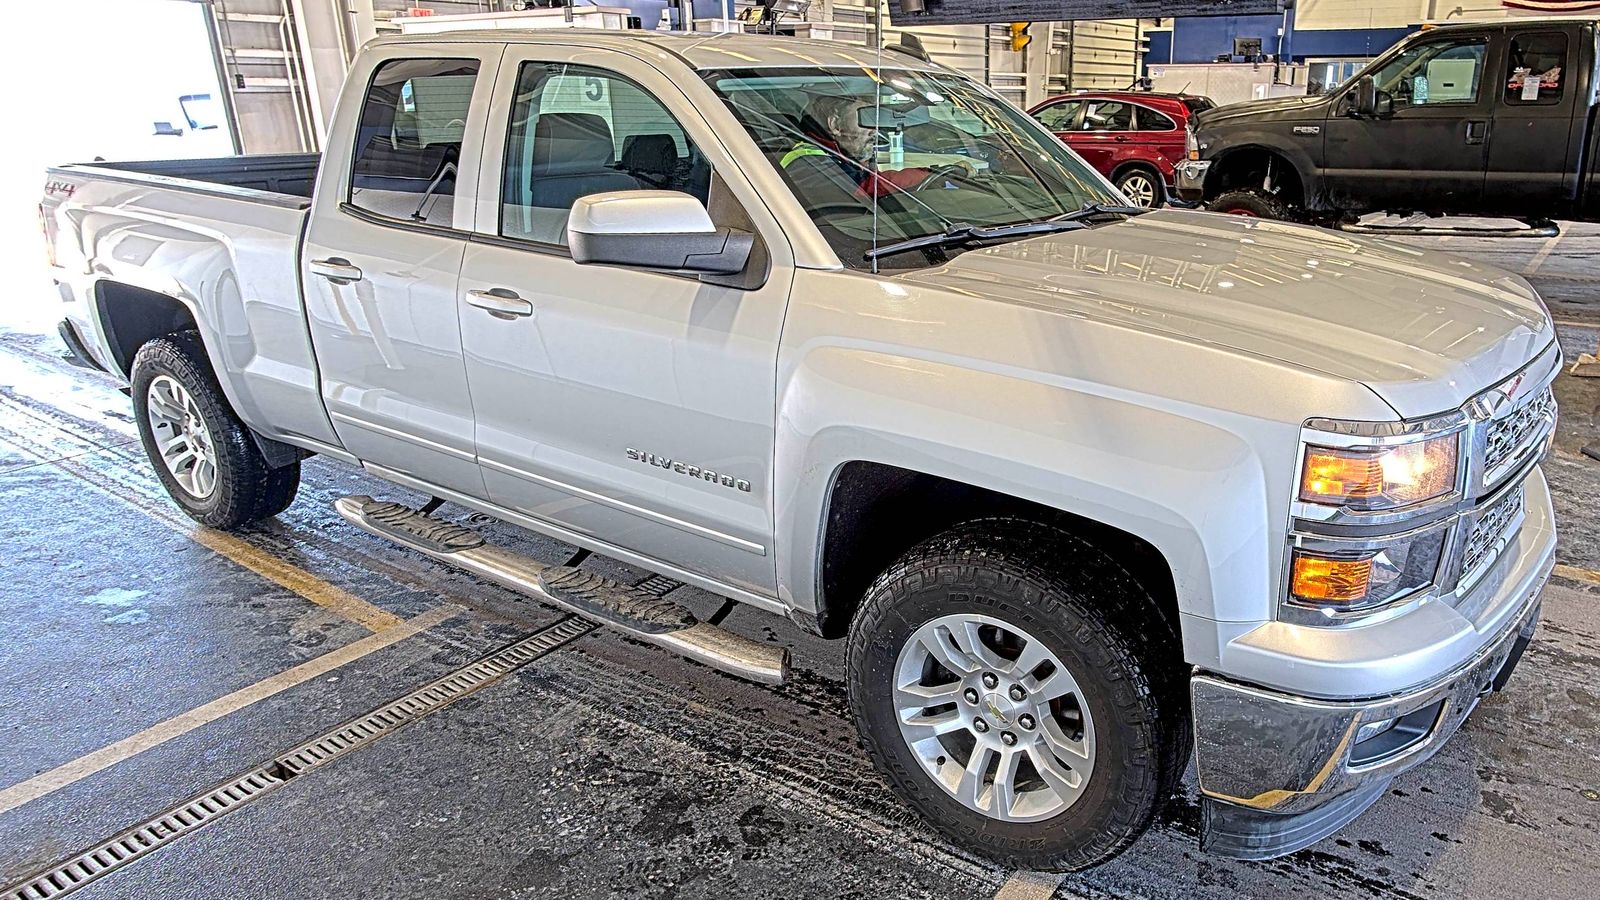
{"points": [[1121, 139], [336, 269], [500, 303], [1476, 132]]}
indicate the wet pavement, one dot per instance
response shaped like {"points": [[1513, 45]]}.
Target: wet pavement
{"points": [[144, 660]]}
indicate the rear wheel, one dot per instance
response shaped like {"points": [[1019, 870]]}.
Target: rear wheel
{"points": [[1015, 687], [1253, 204], [203, 455], [1142, 187]]}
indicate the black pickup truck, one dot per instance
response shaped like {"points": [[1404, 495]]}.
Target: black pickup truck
{"points": [[1481, 119]]}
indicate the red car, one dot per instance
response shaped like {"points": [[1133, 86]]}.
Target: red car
{"points": [[1135, 138]]}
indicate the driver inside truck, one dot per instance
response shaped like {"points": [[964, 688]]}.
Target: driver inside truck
{"points": [[837, 151]]}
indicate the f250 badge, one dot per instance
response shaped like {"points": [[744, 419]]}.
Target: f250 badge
{"points": [[683, 468], [1308, 129]]}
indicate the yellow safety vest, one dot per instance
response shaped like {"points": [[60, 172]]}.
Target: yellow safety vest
{"points": [[804, 148]]}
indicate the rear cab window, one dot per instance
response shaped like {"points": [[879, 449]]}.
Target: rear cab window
{"points": [[407, 152]]}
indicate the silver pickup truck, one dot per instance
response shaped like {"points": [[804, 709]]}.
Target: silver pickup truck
{"points": [[843, 336]]}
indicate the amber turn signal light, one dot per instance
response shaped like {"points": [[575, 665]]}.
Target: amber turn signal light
{"points": [[1335, 582]]}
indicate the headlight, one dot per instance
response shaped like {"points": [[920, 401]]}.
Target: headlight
{"points": [[1380, 478], [1338, 582], [1190, 143]]}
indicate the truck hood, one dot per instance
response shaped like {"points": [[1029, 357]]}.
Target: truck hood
{"points": [[1284, 107], [1422, 330]]}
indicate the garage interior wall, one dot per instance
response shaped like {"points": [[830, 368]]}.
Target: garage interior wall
{"points": [[283, 61]]}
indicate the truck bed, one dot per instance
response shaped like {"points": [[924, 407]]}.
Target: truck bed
{"points": [[288, 177]]}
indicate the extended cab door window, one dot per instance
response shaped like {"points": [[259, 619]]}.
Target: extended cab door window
{"points": [[408, 141], [577, 130]]}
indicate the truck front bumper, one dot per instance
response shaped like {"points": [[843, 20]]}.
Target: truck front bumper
{"points": [[1190, 179], [1279, 772]]}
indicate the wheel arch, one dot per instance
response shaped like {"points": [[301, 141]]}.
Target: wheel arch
{"points": [[1247, 166], [130, 316], [876, 511]]}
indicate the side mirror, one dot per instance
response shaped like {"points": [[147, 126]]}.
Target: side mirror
{"points": [[662, 230], [1366, 96], [1371, 102]]}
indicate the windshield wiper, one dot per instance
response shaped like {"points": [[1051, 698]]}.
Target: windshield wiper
{"points": [[1091, 210], [962, 233]]}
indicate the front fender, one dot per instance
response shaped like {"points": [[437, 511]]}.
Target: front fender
{"points": [[1302, 157], [1198, 492]]}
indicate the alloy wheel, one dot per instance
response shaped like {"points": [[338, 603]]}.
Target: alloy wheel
{"points": [[994, 717], [181, 437]]}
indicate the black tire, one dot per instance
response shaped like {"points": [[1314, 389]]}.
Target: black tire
{"points": [[1255, 204], [1157, 187], [247, 489], [1097, 619]]}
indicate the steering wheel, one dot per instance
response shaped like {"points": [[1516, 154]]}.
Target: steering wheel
{"points": [[939, 174]]}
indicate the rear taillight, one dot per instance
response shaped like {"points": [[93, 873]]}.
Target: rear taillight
{"points": [[49, 237]]}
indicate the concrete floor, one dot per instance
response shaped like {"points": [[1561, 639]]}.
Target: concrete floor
{"points": [[143, 661]]}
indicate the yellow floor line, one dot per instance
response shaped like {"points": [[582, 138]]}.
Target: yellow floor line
{"points": [[335, 599], [183, 723], [1577, 574], [238, 551]]}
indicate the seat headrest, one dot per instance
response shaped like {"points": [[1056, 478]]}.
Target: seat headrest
{"points": [[563, 140], [652, 153]]}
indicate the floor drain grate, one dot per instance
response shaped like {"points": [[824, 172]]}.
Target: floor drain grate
{"points": [[166, 827], [419, 703]]}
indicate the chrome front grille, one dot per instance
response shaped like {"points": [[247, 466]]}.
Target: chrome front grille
{"points": [[1490, 530], [1509, 438]]}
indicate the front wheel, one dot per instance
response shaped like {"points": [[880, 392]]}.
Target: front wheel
{"points": [[201, 451], [1009, 681], [1253, 205]]}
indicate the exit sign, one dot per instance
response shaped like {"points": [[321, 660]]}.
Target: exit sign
{"points": [[977, 12]]}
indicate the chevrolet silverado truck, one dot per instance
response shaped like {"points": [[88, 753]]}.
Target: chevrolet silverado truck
{"points": [[1475, 119], [1088, 491]]}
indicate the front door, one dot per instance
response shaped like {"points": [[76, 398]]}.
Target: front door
{"points": [[1103, 133], [380, 270], [1430, 149], [631, 407]]}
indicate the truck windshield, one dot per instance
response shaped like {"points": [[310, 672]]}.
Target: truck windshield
{"points": [[881, 157]]}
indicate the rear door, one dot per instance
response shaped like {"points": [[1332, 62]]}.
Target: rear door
{"points": [[634, 408], [383, 254], [1430, 151], [1537, 136]]}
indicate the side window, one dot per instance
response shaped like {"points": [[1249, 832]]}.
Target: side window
{"points": [[1447, 71], [1151, 120], [408, 142], [1059, 117], [1104, 115], [576, 131], [1536, 69]]}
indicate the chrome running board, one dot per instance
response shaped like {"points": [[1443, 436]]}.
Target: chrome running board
{"points": [[638, 613]]}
